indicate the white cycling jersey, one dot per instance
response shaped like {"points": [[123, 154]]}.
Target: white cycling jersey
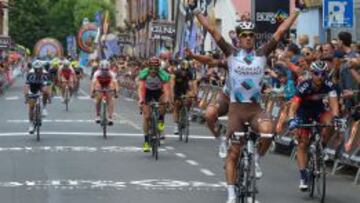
{"points": [[246, 72]]}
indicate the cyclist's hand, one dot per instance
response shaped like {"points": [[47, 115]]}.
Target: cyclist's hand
{"points": [[116, 96], [300, 4], [192, 4], [92, 95], [338, 123], [293, 123], [141, 103]]}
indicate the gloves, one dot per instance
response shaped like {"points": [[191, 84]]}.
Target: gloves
{"points": [[194, 7], [338, 122], [293, 123], [300, 4]]}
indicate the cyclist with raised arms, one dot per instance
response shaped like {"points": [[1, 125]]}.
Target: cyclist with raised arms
{"points": [[246, 68], [154, 85]]}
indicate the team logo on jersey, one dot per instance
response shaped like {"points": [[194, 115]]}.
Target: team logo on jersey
{"points": [[249, 59], [248, 84]]}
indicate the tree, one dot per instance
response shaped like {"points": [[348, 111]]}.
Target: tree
{"points": [[29, 21]]}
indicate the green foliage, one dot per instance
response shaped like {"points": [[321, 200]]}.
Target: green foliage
{"points": [[32, 20]]}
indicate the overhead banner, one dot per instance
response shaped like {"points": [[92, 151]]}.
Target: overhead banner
{"points": [[48, 48], [162, 30], [268, 17], [86, 37], [338, 14]]}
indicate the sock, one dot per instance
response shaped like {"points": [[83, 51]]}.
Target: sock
{"points": [[231, 191], [303, 174], [146, 138], [161, 118], [257, 158]]}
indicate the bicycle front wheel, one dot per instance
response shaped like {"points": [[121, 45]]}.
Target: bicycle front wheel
{"points": [[67, 97], [104, 119], [37, 121], [155, 139], [186, 126]]}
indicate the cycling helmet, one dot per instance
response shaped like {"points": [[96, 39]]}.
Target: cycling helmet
{"points": [[37, 64], [104, 64], [154, 61], [74, 64], [244, 26], [319, 66], [66, 62]]}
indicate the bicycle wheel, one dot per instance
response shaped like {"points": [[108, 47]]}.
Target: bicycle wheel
{"points": [[181, 124], [240, 197], [252, 179], [186, 125], [67, 97], [154, 137], [320, 178], [311, 175], [104, 118], [37, 121]]}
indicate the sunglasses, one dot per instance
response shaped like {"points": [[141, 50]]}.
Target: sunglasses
{"points": [[247, 34], [307, 53], [319, 73]]}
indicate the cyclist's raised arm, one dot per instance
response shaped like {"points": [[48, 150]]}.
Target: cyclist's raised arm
{"points": [[280, 32], [206, 59], [220, 41], [285, 26]]}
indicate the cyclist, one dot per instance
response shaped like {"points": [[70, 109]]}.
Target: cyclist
{"points": [[104, 78], [307, 105], [66, 77], [181, 87], [36, 81], [154, 85], [246, 71], [78, 73], [220, 107], [53, 75]]}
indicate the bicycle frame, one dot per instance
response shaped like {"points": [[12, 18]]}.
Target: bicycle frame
{"points": [[103, 110], [246, 180]]}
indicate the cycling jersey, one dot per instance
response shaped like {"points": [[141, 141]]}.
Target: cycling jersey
{"points": [[36, 82], [311, 99], [104, 77], [66, 73], [154, 83], [246, 71], [182, 79]]}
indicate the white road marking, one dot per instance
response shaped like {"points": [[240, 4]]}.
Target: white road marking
{"points": [[84, 98], [192, 162], [66, 121], [128, 99], [181, 155], [207, 172], [107, 149], [92, 134], [170, 148], [11, 98], [127, 121], [81, 184]]}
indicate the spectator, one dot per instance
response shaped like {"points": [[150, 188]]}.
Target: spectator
{"points": [[303, 41]]}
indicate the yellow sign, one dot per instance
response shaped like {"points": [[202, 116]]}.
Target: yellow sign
{"points": [[313, 3]]}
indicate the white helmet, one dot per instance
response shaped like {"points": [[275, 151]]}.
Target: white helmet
{"points": [[245, 26], [37, 64], [104, 64]]}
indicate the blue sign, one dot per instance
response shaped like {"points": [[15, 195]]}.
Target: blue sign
{"points": [[338, 13]]}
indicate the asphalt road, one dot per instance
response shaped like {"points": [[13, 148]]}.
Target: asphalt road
{"points": [[73, 163]]}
